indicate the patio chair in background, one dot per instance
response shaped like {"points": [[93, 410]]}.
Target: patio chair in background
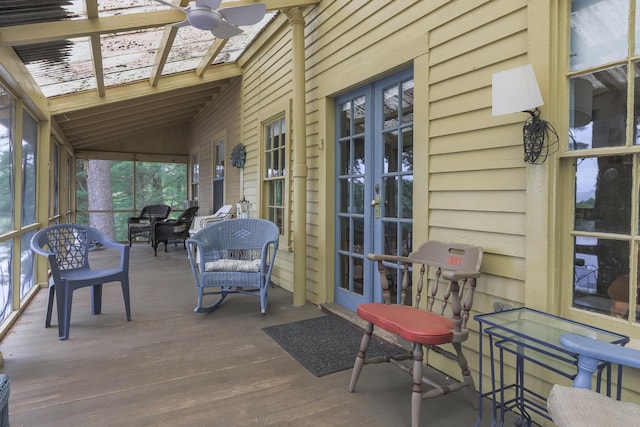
{"points": [[67, 248], [173, 230], [579, 406], [141, 224], [459, 266], [233, 257], [200, 222]]}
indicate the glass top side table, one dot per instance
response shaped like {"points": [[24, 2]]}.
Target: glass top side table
{"points": [[534, 336]]}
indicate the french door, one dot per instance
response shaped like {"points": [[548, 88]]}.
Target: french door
{"points": [[374, 185]]}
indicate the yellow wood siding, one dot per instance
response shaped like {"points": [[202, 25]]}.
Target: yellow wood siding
{"points": [[220, 119]]}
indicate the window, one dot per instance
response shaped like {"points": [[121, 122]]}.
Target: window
{"points": [[29, 156], [7, 200], [275, 160], [218, 176], [110, 191], [195, 173], [54, 182], [604, 154]]}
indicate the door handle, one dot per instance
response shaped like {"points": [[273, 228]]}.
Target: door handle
{"points": [[375, 203]]}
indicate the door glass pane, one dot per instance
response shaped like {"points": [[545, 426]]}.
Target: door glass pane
{"points": [[345, 119], [391, 161], [390, 195], [608, 95], [343, 264], [598, 32], [344, 157], [603, 194], [391, 238], [406, 198], [358, 196], [344, 241], [359, 109], [358, 157], [390, 108], [358, 236], [358, 275], [407, 102], [407, 149], [406, 236], [343, 202]]}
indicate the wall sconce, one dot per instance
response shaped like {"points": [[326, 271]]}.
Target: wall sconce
{"points": [[582, 101], [516, 90]]}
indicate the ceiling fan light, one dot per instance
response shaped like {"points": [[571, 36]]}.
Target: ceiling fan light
{"points": [[203, 18]]}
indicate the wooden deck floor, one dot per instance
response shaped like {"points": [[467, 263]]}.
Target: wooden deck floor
{"points": [[172, 367]]}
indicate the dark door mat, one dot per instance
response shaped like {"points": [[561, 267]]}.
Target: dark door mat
{"points": [[325, 344]]}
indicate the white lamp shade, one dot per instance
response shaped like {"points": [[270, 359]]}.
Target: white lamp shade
{"points": [[515, 90]]}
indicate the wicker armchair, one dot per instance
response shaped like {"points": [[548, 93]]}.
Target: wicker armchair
{"points": [[173, 230], [141, 224], [233, 257]]}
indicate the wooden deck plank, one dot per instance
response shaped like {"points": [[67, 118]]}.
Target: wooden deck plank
{"points": [[170, 366]]}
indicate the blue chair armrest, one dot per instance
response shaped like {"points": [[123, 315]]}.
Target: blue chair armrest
{"points": [[591, 352], [600, 350]]}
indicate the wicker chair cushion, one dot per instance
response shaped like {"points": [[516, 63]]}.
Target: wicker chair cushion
{"points": [[241, 265], [580, 407], [140, 225], [179, 228]]}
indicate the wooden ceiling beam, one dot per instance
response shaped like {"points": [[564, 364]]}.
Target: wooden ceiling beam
{"points": [[176, 82], [166, 43], [87, 128], [187, 94], [132, 112], [19, 35], [274, 5], [211, 54], [106, 137]]}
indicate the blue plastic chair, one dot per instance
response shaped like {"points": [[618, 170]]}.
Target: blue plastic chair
{"points": [[5, 386], [579, 406], [67, 248]]}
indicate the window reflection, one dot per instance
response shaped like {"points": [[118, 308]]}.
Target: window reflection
{"points": [[603, 188], [598, 109], [29, 144], [6, 161], [601, 275], [6, 288], [603, 194], [598, 32]]}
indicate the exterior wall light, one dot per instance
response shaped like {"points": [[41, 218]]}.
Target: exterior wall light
{"points": [[516, 90]]}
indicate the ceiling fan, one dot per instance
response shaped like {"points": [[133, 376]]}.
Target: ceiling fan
{"points": [[205, 15]]}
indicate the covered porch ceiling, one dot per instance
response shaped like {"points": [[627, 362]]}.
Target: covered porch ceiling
{"points": [[114, 69]]}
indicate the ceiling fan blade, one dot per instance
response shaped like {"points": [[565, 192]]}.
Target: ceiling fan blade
{"points": [[225, 30], [211, 4], [184, 23], [175, 6], [248, 14]]}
